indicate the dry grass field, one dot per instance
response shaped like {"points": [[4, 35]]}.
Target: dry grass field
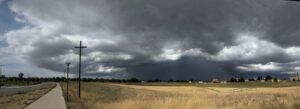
{"points": [[21, 100], [180, 96]]}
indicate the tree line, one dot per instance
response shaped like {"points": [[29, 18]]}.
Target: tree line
{"points": [[20, 80], [259, 78]]}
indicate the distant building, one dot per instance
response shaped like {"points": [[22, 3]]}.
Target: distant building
{"points": [[223, 82], [200, 82], [190, 82], [215, 81], [295, 77], [275, 80], [255, 79]]}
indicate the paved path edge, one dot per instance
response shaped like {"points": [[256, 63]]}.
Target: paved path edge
{"points": [[52, 100]]}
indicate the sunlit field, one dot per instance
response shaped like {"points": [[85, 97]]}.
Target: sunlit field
{"points": [[186, 96]]}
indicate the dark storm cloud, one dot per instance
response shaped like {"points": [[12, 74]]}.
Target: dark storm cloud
{"points": [[205, 24], [209, 24], [49, 50], [163, 39], [184, 68], [284, 26]]}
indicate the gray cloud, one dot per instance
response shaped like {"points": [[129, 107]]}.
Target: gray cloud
{"points": [[158, 39]]}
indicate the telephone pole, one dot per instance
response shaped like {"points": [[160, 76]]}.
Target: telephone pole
{"points": [[1, 75], [79, 76], [297, 76], [68, 64]]}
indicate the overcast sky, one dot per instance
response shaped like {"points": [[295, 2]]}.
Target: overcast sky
{"points": [[151, 39]]}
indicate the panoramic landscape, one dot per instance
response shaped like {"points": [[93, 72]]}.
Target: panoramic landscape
{"points": [[149, 54]]}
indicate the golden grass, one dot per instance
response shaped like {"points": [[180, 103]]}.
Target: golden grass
{"points": [[116, 96], [20, 101]]}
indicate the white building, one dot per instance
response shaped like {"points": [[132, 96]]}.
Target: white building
{"points": [[215, 81]]}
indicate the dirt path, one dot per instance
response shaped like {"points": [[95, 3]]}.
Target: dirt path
{"points": [[52, 100]]}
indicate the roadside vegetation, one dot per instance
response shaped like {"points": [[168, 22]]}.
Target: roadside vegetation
{"points": [[21, 100]]}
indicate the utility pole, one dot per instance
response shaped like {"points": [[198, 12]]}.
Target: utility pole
{"points": [[68, 64], [79, 76], [297, 76], [64, 74], [1, 75]]}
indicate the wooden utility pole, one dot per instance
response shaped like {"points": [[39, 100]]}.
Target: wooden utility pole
{"points": [[68, 64], [297, 76], [79, 76], [1, 75]]}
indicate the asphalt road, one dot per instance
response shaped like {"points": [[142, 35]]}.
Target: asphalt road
{"points": [[6, 91]]}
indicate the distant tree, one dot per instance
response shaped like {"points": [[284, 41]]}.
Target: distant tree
{"points": [[275, 79], [251, 79], [21, 75], [135, 80], [233, 80], [268, 78], [170, 80], [2, 76], [241, 79], [260, 78], [157, 80]]}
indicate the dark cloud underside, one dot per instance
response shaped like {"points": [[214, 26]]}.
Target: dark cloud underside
{"points": [[161, 39]]}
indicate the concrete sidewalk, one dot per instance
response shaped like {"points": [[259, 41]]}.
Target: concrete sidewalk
{"points": [[52, 100]]}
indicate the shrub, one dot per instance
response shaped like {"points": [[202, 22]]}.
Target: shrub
{"points": [[241, 79], [233, 80]]}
